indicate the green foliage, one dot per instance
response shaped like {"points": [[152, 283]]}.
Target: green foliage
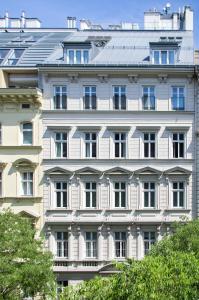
{"points": [[25, 269], [169, 272]]}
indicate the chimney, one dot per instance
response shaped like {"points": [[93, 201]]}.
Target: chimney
{"points": [[71, 22], [6, 19], [188, 18], [85, 24], [23, 19]]}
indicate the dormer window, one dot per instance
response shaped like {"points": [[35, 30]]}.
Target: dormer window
{"points": [[163, 57], [77, 56], [14, 56]]}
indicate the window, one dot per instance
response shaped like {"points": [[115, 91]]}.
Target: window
{"points": [[25, 105], [163, 57], [120, 194], [61, 144], [149, 194], [62, 244], [120, 144], [120, 244], [119, 97], [27, 183], [0, 184], [14, 56], [91, 244], [3, 54], [178, 99], [27, 133], [178, 145], [60, 97], [61, 194], [77, 56], [90, 145], [90, 191], [61, 285], [178, 194], [148, 100], [149, 240], [90, 97], [149, 145]]}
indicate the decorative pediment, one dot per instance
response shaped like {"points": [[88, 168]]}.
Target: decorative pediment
{"points": [[88, 171], [108, 269], [24, 163], [29, 214], [58, 171], [148, 171], [177, 171], [117, 171]]}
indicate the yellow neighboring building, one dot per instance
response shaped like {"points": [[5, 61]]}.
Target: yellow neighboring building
{"points": [[21, 149]]}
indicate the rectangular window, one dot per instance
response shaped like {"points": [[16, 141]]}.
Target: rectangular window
{"points": [[149, 145], [90, 192], [77, 56], [60, 97], [27, 183], [27, 133], [90, 145], [148, 100], [120, 144], [149, 240], [0, 184], [119, 97], [120, 244], [178, 145], [149, 194], [178, 194], [61, 144], [61, 194], [178, 99], [120, 194], [90, 100], [14, 56], [91, 244], [3, 54], [62, 244], [164, 57]]}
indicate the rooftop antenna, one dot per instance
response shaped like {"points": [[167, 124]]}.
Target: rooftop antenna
{"points": [[167, 8]]}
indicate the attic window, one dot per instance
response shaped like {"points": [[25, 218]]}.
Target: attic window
{"points": [[14, 56], [77, 56], [3, 54]]}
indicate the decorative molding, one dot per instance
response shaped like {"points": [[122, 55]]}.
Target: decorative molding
{"points": [[133, 78], [162, 78], [190, 78], [103, 78], [73, 77]]}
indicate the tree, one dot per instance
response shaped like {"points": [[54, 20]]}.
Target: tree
{"points": [[25, 268], [169, 272]]}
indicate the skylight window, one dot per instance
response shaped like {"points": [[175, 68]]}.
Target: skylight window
{"points": [[3, 54], [14, 56]]}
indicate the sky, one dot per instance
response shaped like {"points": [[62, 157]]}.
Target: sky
{"points": [[53, 13]]}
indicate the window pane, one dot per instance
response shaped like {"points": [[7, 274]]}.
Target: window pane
{"points": [[181, 199], [27, 137], [71, 57], [64, 199], [87, 199], [175, 199], [152, 149], [85, 56], [164, 57], [146, 199], [58, 199], [171, 57], [93, 149], [117, 199], [94, 199], [156, 57], [78, 57], [117, 150], [123, 200]]}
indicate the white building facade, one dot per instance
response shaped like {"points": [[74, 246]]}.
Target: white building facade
{"points": [[118, 145]]}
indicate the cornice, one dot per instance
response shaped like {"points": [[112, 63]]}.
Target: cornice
{"points": [[21, 147], [114, 112]]}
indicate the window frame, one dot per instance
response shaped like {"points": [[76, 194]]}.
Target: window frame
{"points": [[121, 142], [150, 241], [93, 242], [160, 56], [28, 182], [178, 190], [90, 94], [10, 54], [149, 94], [120, 94], [27, 130], [61, 93], [64, 243], [121, 242], [90, 142], [62, 142], [120, 191], [149, 190], [91, 190], [150, 142], [61, 190], [179, 142], [178, 87], [82, 51]]}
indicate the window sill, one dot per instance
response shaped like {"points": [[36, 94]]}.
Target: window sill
{"points": [[65, 209], [87, 209], [148, 210], [119, 209], [178, 210]]}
